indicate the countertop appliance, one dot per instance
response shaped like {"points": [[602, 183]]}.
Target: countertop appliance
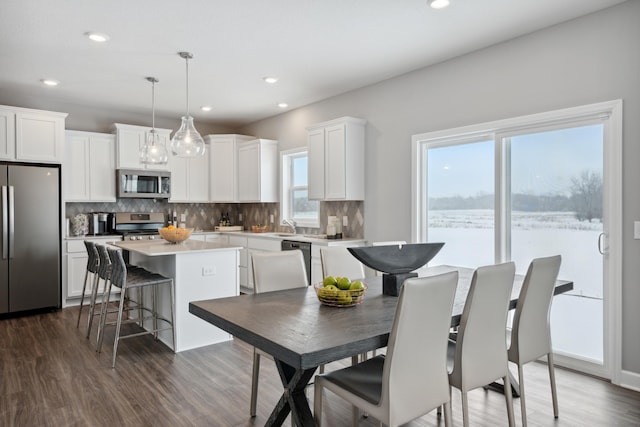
{"points": [[102, 223], [139, 225], [30, 237], [305, 247], [145, 184]]}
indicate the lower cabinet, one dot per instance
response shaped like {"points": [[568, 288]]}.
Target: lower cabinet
{"points": [[76, 265], [242, 262]]}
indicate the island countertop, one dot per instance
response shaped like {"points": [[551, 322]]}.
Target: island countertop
{"points": [[161, 247]]}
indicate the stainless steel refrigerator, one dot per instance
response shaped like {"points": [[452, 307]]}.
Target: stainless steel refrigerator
{"points": [[30, 237]]}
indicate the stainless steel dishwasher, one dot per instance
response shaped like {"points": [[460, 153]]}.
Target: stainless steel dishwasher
{"points": [[305, 247]]}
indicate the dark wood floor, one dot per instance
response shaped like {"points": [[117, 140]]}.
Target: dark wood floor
{"points": [[50, 375]]}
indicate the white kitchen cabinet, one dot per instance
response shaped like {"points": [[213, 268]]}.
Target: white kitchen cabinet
{"points": [[243, 261], [89, 167], [76, 265], [31, 135], [336, 159], [189, 179], [223, 166], [129, 140], [258, 171]]}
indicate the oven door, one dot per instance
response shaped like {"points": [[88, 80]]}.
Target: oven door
{"points": [[145, 184]]}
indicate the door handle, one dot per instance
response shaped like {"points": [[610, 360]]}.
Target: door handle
{"points": [[601, 243], [11, 221], [5, 224]]}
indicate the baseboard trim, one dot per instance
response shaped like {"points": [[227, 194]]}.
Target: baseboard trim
{"points": [[630, 380]]}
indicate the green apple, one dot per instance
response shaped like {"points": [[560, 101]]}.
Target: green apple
{"points": [[329, 281], [343, 283]]}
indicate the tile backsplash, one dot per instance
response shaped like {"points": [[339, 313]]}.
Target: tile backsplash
{"points": [[205, 216]]}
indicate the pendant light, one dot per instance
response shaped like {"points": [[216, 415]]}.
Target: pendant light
{"points": [[154, 151], [187, 142]]}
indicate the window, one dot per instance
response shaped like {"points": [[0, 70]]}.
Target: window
{"points": [[529, 187], [295, 203]]}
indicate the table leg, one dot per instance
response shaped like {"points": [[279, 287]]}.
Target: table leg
{"points": [[293, 398]]}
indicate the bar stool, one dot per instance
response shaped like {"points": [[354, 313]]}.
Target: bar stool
{"points": [[136, 278], [92, 268]]}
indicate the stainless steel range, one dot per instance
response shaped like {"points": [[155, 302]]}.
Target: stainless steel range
{"points": [[139, 225]]}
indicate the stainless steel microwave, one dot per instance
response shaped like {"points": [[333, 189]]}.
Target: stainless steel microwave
{"points": [[146, 184]]}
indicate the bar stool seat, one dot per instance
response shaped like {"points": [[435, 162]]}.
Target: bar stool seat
{"points": [[135, 278]]}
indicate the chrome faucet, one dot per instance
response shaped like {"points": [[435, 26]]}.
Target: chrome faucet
{"points": [[291, 223]]}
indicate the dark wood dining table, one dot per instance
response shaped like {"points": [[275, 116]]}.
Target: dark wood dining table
{"points": [[302, 334]]}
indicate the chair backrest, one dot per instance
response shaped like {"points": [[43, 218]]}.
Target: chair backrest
{"points": [[415, 377], [338, 261], [531, 334], [93, 260], [119, 268], [104, 267], [481, 346], [276, 271]]}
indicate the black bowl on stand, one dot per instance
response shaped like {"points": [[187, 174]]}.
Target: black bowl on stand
{"points": [[397, 262]]}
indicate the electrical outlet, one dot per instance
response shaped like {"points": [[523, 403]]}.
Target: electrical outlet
{"points": [[345, 221], [239, 217], [636, 229], [183, 217], [271, 218], [209, 271]]}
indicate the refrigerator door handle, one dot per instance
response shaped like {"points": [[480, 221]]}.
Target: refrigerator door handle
{"points": [[5, 224], [11, 221]]}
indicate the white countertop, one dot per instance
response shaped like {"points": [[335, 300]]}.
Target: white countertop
{"points": [[161, 247], [285, 236]]}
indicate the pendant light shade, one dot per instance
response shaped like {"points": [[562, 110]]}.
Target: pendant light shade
{"points": [[187, 142], [154, 151]]}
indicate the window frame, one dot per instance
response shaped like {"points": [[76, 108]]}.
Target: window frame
{"points": [[287, 190]]}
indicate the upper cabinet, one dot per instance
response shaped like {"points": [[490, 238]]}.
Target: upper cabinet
{"points": [[129, 140], [258, 171], [336, 159], [31, 135], [89, 172], [189, 178], [223, 166]]}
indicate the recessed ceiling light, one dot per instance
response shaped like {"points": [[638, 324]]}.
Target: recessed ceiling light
{"points": [[283, 105], [270, 80], [50, 82], [205, 108], [97, 37], [438, 4]]}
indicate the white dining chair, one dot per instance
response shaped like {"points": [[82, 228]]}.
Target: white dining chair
{"points": [[274, 271], [338, 261], [412, 379], [479, 355], [530, 336]]}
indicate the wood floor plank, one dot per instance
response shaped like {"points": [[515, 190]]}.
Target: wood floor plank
{"points": [[50, 375]]}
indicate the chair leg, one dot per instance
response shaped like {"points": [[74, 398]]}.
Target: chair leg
{"points": [[84, 287], [355, 416], [552, 380], [465, 409], [317, 403], [116, 339], [92, 303], [106, 296], [523, 406], [254, 383], [509, 399], [447, 414], [173, 315]]}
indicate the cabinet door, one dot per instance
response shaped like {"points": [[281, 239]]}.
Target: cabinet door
{"points": [[335, 162], [102, 168], [7, 135], [129, 143], [77, 169], [179, 179], [76, 268], [249, 173], [222, 184], [198, 179], [39, 137], [315, 171]]}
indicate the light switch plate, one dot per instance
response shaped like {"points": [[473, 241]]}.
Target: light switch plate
{"points": [[345, 221], [636, 229], [209, 271]]}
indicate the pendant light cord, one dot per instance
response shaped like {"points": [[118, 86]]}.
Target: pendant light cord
{"points": [[187, 60], [153, 105]]}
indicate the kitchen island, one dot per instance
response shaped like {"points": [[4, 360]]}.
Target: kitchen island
{"points": [[200, 270]]}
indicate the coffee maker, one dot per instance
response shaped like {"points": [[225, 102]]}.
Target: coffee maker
{"points": [[102, 223]]}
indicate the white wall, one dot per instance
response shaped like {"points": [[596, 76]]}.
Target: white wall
{"points": [[591, 59]]}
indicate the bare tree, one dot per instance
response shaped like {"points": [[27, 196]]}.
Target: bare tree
{"points": [[586, 195]]}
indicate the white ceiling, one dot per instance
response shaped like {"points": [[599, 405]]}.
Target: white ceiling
{"points": [[317, 48]]}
